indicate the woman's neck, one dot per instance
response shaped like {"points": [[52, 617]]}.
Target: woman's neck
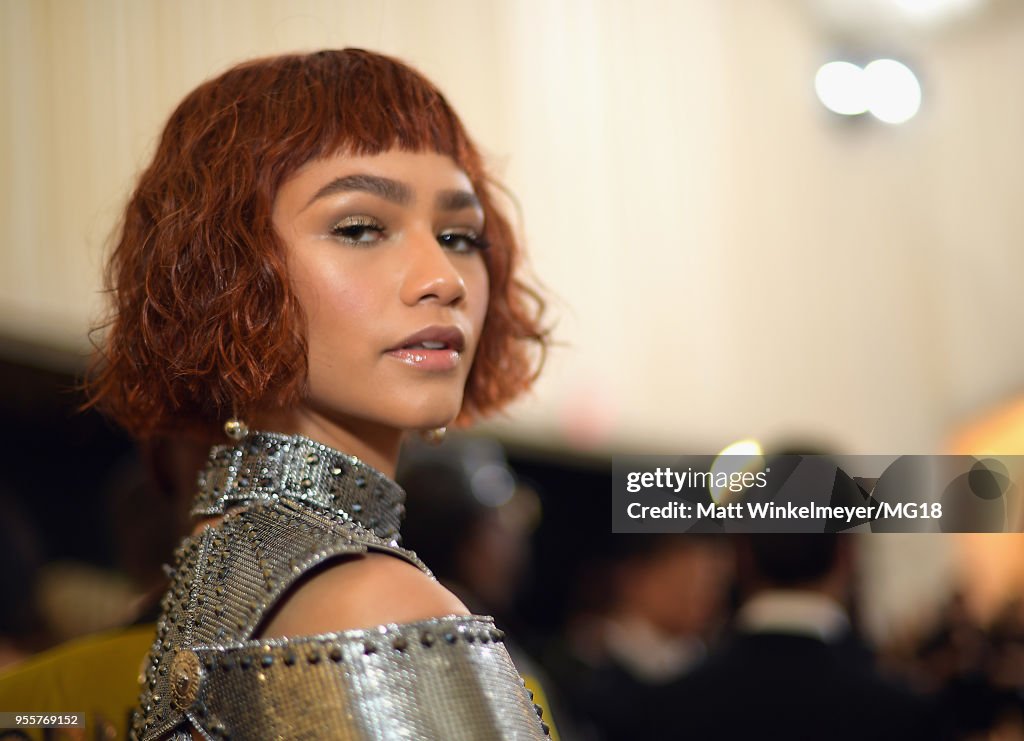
{"points": [[376, 445]]}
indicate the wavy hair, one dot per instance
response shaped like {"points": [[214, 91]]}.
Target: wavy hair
{"points": [[204, 323]]}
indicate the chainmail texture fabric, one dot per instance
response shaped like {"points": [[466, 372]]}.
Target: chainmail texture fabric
{"points": [[289, 505]]}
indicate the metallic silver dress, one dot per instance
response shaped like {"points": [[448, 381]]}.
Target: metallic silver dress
{"points": [[291, 504]]}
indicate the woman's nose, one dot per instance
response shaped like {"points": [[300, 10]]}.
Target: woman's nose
{"points": [[430, 274]]}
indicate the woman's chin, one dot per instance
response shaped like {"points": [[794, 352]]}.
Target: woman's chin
{"points": [[429, 414], [433, 423], [426, 422]]}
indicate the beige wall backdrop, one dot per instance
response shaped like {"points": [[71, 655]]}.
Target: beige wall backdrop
{"points": [[724, 259]]}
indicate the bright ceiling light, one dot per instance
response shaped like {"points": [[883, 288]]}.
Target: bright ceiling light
{"points": [[748, 447], [885, 87], [840, 88], [893, 92], [742, 456]]}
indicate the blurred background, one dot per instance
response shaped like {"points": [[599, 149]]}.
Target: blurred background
{"points": [[793, 221]]}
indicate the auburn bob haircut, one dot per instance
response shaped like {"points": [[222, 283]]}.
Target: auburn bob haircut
{"points": [[204, 323]]}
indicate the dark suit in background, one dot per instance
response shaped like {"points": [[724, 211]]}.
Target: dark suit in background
{"points": [[794, 668], [775, 685]]}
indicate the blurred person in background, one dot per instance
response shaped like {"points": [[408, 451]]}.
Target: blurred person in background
{"points": [[795, 667], [663, 599], [975, 671], [102, 619], [21, 625], [1004, 668]]}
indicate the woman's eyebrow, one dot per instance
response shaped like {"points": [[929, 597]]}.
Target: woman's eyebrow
{"points": [[456, 200], [386, 188]]}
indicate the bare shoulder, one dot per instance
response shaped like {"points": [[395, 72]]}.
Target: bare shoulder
{"points": [[361, 592]]}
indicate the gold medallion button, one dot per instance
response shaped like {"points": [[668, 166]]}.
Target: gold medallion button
{"points": [[186, 676]]}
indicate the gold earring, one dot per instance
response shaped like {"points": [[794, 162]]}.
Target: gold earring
{"points": [[434, 436], [235, 428]]}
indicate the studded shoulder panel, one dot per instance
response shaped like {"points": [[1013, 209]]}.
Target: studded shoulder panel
{"points": [[446, 678]]}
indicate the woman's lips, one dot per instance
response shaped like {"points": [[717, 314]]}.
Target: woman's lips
{"points": [[435, 348], [429, 360]]}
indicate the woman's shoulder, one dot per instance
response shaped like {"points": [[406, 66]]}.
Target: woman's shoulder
{"points": [[328, 575], [357, 592]]}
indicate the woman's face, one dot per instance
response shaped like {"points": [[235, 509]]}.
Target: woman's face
{"points": [[384, 253]]}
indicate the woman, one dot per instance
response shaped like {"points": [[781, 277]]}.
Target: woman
{"points": [[315, 250]]}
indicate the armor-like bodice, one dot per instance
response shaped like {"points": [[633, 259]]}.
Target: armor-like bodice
{"points": [[291, 504]]}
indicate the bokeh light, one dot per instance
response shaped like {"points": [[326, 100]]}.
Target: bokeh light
{"points": [[885, 87], [894, 94], [840, 87]]}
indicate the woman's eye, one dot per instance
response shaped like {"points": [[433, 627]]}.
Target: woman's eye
{"points": [[462, 241], [358, 230]]}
